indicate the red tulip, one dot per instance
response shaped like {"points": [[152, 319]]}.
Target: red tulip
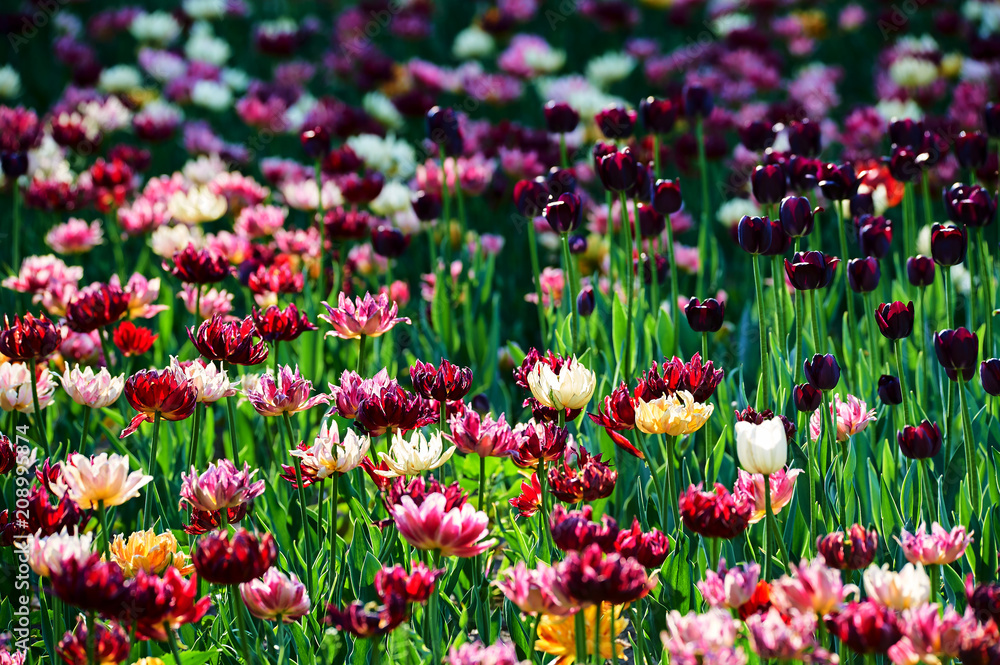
{"points": [[167, 392], [29, 338], [133, 340], [229, 341], [244, 556]]}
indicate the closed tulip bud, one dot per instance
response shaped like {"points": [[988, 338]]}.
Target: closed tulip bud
{"points": [[863, 275], [481, 404], [889, 390], [920, 442], [565, 213], [14, 164], [616, 122], [618, 171], [315, 142], [667, 197], [390, 242], [808, 271], [862, 203], [560, 117], [780, 241], [957, 350], [705, 316], [803, 172], [991, 120], [989, 374], [838, 182], [585, 302], [907, 133], [822, 371], [643, 188], [807, 398], [768, 183], [530, 196], [920, 270], [948, 244], [874, 236], [969, 205], [902, 164], [971, 150], [895, 320], [757, 135], [560, 181], [651, 222], [804, 138], [797, 216], [698, 101], [443, 129], [762, 448], [658, 116], [754, 234]]}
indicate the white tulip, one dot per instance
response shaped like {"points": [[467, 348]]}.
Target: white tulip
{"points": [[419, 453], [571, 388], [907, 589], [762, 448], [329, 455]]}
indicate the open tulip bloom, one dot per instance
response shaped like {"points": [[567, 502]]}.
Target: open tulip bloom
{"points": [[499, 332]]}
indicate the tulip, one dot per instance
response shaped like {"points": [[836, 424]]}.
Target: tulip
{"points": [[796, 217], [223, 559], [983, 599], [443, 129], [920, 271], [852, 550], [989, 376], [757, 135], [46, 555], [109, 643], [574, 530], [971, 206], [957, 351], [592, 577], [330, 455], [274, 324], [95, 307], [529, 500], [146, 551], [531, 196], [874, 236], [705, 316], [586, 301], [133, 340], [920, 442], [754, 234], [590, 480], [658, 116], [804, 138], [822, 371], [674, 415], [229, 341], [811, 588], [413, 586], [616, 122], [221, 486], [413, 456], [648, 548], [389, 242], [698, 101], [276, 596], [158, 605], [971, 149], [729, 588], [773, 639], [806, 397], [768, 183], [560, 118], [102, 481], [939, 547], [889, 390], [90, 584], [536, 591], [717, 514], [907, 589], [198, 266], [762, 449], [863, 274], [284, 394], [866, 627], [810, 270], [948, 244], [426, 206], [618, 171], [94, 391], [895, 320], [447, 382], [366, 621], [457, 532], [566, 386]]}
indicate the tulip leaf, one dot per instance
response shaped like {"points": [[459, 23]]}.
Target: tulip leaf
{"points": [[992, 469], [618, 325], [891, 519], [519, 632], [193, 658]]}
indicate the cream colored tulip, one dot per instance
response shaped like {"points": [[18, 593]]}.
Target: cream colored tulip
{"points": [[197, 206], [570, 388], [92, 389], [419, 453], [103, 478], [48, 553], [762, 448], [673, 415], [907, 589], [209, 380], [329, 455]]}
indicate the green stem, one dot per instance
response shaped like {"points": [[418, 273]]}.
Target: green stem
{"points": [[815, 305], [332, 526], [91, 656], [571, 281], [639, 639], [986, 277], [778, 278], [15, 264], [674, 298], [946, 278], [852, 324], [762, 396], [597, 635], [628, 282], [37, 412], [482, 482], [669, 443], [434, 613], [306, 537], [773, 523], [929, 491], [362, 342], [320, 217], [970, 445], [241, 622], [192, 460], [83, 430], [768, 518], [537, 274], [907, 410], [706, 218], [105, 534], [153, 446], [172, 641], [563, 156], [580, 623], [231, 414]]}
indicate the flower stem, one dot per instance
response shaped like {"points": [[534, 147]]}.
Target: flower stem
{"points": [[852, 323], [706, 218], [537, 274], [628, 282], [768, 518], [674, 307], [668, 482], [240, 622], [231, 414], [571, 281], [362, 343], [306, 540], [83, 430], [759, 286], [902, 382], [434, 612], [970, 446], [195, 435], [172, 641], [105, 534], [91, 657], [986, 277], [321, 221], [773, 523], [153, 445], [332, 526], [597, 635], [580, 625], [37, 409]]}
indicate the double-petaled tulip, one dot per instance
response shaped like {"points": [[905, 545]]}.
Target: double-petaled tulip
{"points": [[754, 234], [676, 414], [8, 455], [221, 486], [198, 205], [751, 488], [920, 270], [863, 274], [29, 338], [96, 306], [198, 266], [459, 532], [329, 454], [39, 518], [157, 604], [276, 325], [866, 627], [705, 316], [390, 408], [146, 551], [895, 320], [221, 559], [618, 171], [414, 455], [849, 417], [957, 350], [948, 244], [922, 441], [109, 644], [276, 596], [939, 547], [229, 341], [285, 393], [573, 530], [797, 216], [361, 188], [562, 385], [101, 480], [353, 389], [168, 393], [593, 577], [852, 550], [90, 584], [616, 122], [133, 340], [565, 213], [589, 480], [768, 183], [413, 586], [906, 589], [811, 588], [367, 621], [717, 514], [560, 117], [209, 381], [774, 639], [902, 164], [762, 449], [806, 397], [889, 390], [822, 371], [970, 205], [16, 392], [729, 588], [368, 316], [537, 442], [874, 236], [481, 434], [811, 270], [983, 599], [648, 548], [90, 389], [538, 590], [446, 382], [47, 554], [989, 375]]}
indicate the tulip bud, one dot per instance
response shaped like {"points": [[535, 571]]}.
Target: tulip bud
{"points": [[768, 183], [838, 182], [390, 242], [822, 371], [920, 442], [565, 213], [991, 120], [807, 398], [903, 164], [797, 216], [804, 138], [658, 115], [561, 118], [618, 171], [895, 320], [906, 133], [427, 206], [989, 374], [698, 101], [957, 350], [754, 234], [874, 236], [889, 390], [971, 150], [808, 271], [14, 164], [780, 242], [762, 448], [315, 142], [616, 122], [560, 181], [530, 196], [757, 135], [969, 205], [705, 316], [642, 190], [443, 129], [948, 244], [863, 275], [667, 197], [920, 270], [852, 550], [651, 222], [585, 302]]}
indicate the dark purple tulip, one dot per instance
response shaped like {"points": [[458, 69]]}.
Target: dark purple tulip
{"points": [[651, 222], [931, 151], [315, 142], [565, 213], [390, 242], [618, 171], [903, 164], [838, 181], [768, 183], [600, 150], [481, 404], [361, 189], [804, 138], [863, 275], [862, 203], [652, 265], [803, 172], [705, 316], [14, 164], [807, 398], [989, 374], [643, 188], [971, 150], [920, 270], [698, 101], [808, 271], [780, 242], [957, 350], [906, 133], [970, 205], [991, 120], [822, 371], [531, 196], [754, 234], [948, 244], [658, 116], [797, 216], [427, 206], [561, 118], [560, 181], [616, 122], [443, 129], [757, 135], [894, 319], [874, 236], [577, 244], [920, 442], [585, 302], [667, 196], [889, 390]]}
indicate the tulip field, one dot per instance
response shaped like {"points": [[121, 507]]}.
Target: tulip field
{"points": [[513, 332]]}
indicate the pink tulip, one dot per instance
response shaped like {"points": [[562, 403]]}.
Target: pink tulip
{"points": [[536, 591], [472, 433], [751, 487], [288, 392], [931, 636], [851, 416], [730, 588], [429, 526], [276, 596], [937, 547], [812, 588], [220, 486], [368, 316]]}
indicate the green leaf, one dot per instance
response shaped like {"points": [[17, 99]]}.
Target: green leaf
{"points": [[193, 657]]}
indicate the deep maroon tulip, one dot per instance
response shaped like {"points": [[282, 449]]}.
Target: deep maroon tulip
{"points": [[991, 120], [564, 214], [651, 266], [8, 455], [447, 382], [481, 404], [616, 122], [874, 236], [971, 150], [895, 320], [341, 161], [229, 341], [414, 586], [658, 116], [806, 397], [768, 183], [903, 164], [14, 164], [803, 172], [863, 274], [367, 621], [90, 584], [389, 408], [983, 599], [361, 189], [948, 244], [223, 559], [667, 197], [808, 271], [907, 133], [780, 241], [754, 234], [969, 205], [698, 101], [889, 390], [618, 171], [277, 325], [530, 196], [95, 307], [29, 338], [575, 530], [600, 150], [539, 442], [342, 224], [866, 627], [651, 222], [593, 577], [560, 181], [390, 242], [804, 138], [586, 301], [757, 135], [588, 479], [560, 117], [705, 316], [315, 142], [920, 270], [648, 548], [957, 350], [427, 206], [717, 514], [838, 181], [110, 643], [167, 393], [920, 442], [989, 374], [643, 188], [822, 371], [443, 129], [797, 216], [198, 266], [862, 203], [851, 551]]}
